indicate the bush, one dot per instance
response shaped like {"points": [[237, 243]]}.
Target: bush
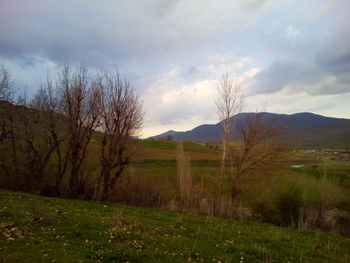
{"points": [[138, 190], [290, 205], [280, 202], [266, 212]]}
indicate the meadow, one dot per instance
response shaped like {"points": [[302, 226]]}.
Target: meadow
{"points": [[312, 196], [43, 229]]}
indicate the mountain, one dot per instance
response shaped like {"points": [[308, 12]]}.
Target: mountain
{"points": [[303, 129]]}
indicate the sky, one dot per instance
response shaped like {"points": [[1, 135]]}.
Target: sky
{"points": [[287, 56]]}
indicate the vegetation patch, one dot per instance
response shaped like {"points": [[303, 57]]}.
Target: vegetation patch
{"points": [[74, 230]]}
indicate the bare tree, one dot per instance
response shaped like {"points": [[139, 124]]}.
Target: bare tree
{"points": [[79, 103], [256, 133], [258, 147], [53, 129], [26, 150], [121, 119], [7, 90], [8, 157], [6, 85], [9, 161], [229, 102]]}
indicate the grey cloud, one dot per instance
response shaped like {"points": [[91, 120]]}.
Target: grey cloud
{"points": [[278, 75], [98, 33], [337, 64], [310, 77], [334, 53], [283, 73], [80, 32], [9, 51], [313, 66], [160, 8], [344, 79], [177, 113], [254, 4]]}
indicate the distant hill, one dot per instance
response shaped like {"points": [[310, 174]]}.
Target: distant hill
{"points": [[303, 129]]}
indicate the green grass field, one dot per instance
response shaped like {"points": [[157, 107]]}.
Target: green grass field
{"points": [[40, 229], [172, 145]]}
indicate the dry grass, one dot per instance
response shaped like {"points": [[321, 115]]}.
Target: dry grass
{"points": [[138, 190], [184, 177]]}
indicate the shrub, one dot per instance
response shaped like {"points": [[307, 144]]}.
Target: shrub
{"points": [[279, 200], [138, 190], [290, 205]]}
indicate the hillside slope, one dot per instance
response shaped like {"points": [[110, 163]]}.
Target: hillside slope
{"points": [[39, 229]]}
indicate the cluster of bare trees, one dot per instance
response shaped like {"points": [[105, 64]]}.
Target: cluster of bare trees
{"points": [[44, 143]]}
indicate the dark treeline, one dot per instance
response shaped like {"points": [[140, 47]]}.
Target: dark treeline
{"points": [[44, 141]]}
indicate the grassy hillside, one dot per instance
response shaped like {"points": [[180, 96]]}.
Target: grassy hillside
{"points": [[38, 229], [331, 136], [156, 149]]}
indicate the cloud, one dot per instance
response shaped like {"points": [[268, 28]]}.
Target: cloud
{"points": [[292, 102], [183, 101], [121, 32], [82, 31], [291, 32], [328, 77], [160, 8], [181, 104], [175, 51], [255, 4], [315, 65], [95, 33]]}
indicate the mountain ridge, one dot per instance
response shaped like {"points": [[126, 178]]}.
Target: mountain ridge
{"points": [[302, 127]]}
